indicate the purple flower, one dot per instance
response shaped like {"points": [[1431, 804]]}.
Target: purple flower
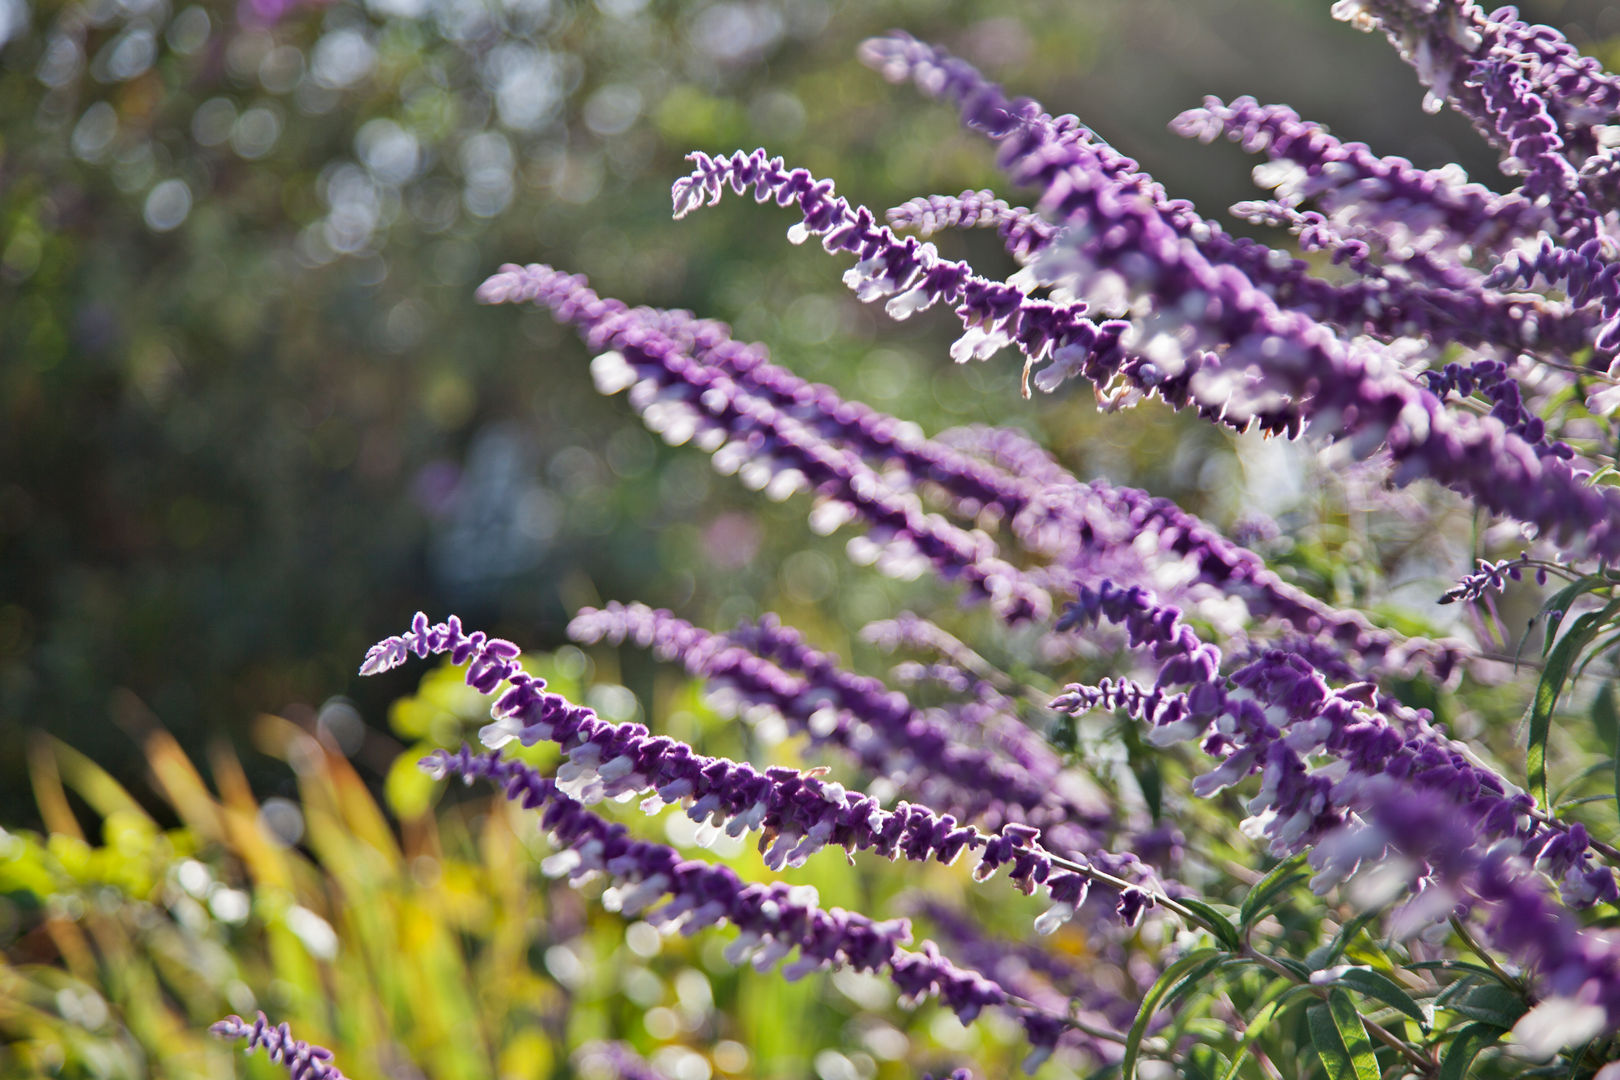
{"points": [[1431, 206], [1577, 968], [682, 398], [1491, 576], [301, 1060], [1023, 231], [772, 920], [617, 1060], [800, 813], [1114, 242]]}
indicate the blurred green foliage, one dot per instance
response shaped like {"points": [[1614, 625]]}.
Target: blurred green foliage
{"points": [[409, 936]]}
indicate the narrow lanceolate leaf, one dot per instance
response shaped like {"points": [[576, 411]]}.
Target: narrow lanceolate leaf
{"points": [[1559, 660], [1607, 721], [1558, 604], [1219, 924], [1489, 1003], [1377, 985], [1287, 995], [1465, 1047], [1341, 1040], [1276, 880], [1150, 1004]]}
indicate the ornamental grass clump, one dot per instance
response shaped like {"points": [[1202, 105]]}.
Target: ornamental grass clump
{"points": [[1193, 697]]}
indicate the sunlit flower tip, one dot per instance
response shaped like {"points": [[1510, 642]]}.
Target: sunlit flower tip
{"points": [[302, 1060], [1053, 917]]}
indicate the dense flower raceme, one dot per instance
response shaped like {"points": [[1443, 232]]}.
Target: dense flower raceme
{"points": [[1579, 968], [1023, 231], [769, 664], [683, 398], [302, 1060], [1113, 239], [800, 814], [1031, 972], [995, 314], [1272, 714], [1423, 207], [1082, 529], [1446, 43], [772, 920]]}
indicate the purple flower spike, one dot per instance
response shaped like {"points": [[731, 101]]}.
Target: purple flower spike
{"points": [[1445, 40], [1116, 242], [772, 920], [1023, 231], [1578, 969], [682, 398], [799, 813], [302, 1060], [1436, 206], [1490, 577]]}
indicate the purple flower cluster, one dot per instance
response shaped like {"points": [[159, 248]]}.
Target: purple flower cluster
{"points": [[681, 398], [769, 664], [1113, 244], [772, 920], [302, 1060], [1276, 711], [1023, 231], [1579, 968], [1415, 351], [1490, 577], [799, 814]]}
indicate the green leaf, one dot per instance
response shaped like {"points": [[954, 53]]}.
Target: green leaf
{"points": [[1193, 978], [1452, 965], [1328, 955], [1559, 660], [1223, 929], [1607, 722], [1490, 1003], [1465, 1047], [1604, 716], [1150, 1003], [1557, 605], [1292, 993], [1277, 879], [1341, 1041], [1377, 985]]}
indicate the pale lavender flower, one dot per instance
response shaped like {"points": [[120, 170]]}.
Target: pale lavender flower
{"points": [[302, 1060], [616, 1060]]}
